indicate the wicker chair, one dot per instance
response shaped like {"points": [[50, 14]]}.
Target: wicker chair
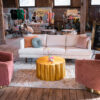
{"points": [[6, 68], [88, 73]]}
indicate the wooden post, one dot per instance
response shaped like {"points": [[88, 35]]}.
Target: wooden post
{"points": [[93, 32], [2, 29], [84, 9]]}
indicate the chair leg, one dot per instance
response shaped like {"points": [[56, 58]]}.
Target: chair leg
{"points": [[93, 91], [1, 87], [90, 90], [26, 60], [97, 92]]}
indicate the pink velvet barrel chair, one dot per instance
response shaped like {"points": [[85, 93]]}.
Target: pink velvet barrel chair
{"points": [[6, 68], [88, 73]]}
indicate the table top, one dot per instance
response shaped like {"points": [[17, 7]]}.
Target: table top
{"points": [[48, 30], [32, 23], [68, 30], [45, 60]]}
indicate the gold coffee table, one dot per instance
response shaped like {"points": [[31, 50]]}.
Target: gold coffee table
{"points": [[50, 71]]}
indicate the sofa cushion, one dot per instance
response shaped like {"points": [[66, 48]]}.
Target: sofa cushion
{"points": [[29, 51], [28, 41], [42, 37], [73, 51], [36, 43], [71, 40], [56, 40], [54, 50], [82, 42], [77, 51]]}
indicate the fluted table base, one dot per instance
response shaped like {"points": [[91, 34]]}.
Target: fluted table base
{"points": [[50, 71]]}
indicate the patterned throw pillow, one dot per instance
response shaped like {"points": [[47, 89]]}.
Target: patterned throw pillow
{"points": [[36, 43]]}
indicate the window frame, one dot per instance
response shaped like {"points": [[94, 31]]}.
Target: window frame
{"points": [[93, 5], [27, 6], [62, 5]]}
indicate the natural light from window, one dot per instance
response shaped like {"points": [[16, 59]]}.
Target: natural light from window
{"points": [[95, 2], [27, 3], [62, 2]]}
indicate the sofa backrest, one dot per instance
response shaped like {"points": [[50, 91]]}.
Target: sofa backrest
{"points": [[56, 40], [71, 40]]}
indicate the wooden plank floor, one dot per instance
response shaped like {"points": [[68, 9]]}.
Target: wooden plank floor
{"points": [[21, 93]]}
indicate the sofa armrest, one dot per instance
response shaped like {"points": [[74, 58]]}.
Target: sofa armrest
{"points": [[87, 72], [8, 64], [6, 72], [22, 44], [5, 56], [89, 44], [97, 56], [3, 64]]}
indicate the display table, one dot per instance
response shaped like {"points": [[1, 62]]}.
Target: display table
{"points": [[69, 31], [50, 71], [49, 31], [38, 27]]}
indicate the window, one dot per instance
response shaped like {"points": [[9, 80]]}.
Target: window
{"points": [[27, 3], [95, 2], [62, 2]]}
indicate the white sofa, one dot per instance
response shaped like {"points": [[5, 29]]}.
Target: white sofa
{"points": [[58, 45]]}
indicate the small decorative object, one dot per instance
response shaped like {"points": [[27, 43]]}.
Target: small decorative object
{"points": [[51, 58]]}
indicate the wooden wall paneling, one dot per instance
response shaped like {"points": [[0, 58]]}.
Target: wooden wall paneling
{"points": [[9, 3], [94, 13], [44, 3], [90, 14], [2, 31], [76, 3], [89, 2], [98, 13], [59, 16], [59, 13], [4, 3]]}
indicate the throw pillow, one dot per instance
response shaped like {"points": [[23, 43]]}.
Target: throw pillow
{"points": [[28, 41], [36, 43], [82, 42]]}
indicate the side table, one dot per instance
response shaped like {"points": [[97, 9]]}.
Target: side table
{"points": [[50, 71]]}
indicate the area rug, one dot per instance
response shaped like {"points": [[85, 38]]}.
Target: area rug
{"points": [[25, 76]]}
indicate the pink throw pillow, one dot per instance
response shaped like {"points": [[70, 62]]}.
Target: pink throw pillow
{"points": [[82, 42]]}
